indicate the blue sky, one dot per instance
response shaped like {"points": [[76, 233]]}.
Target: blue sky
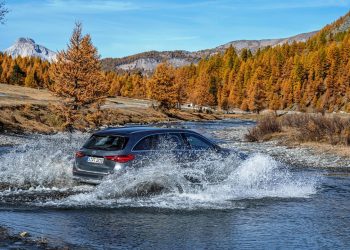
{"points": [[124, 27]]}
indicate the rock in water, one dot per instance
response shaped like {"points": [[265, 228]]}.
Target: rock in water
{"points": [[24, 234]]}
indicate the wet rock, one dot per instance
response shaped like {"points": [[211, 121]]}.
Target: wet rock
{"points": [[24, 234]]}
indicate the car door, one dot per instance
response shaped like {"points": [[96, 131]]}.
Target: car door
{"points": [[158, 148], [144, 151], [198, 146], [172, 146], [202, 159]]}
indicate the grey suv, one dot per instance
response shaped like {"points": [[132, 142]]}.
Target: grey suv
{"points": [[117, 149]]}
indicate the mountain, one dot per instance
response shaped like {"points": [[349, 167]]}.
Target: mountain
{"points": [[27, 47], [146, 62], [254, 45]]}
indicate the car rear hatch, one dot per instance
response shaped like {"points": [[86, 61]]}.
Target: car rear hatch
{"points": [[97, 154]]}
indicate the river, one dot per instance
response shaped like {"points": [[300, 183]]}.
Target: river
{"points": [[279, 197]]}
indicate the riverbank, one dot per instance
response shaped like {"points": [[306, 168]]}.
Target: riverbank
{"points": [[29, 110], [34, 118], [323, 134]]}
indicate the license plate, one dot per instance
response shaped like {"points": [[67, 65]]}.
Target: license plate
{"points": [[95, 160]]}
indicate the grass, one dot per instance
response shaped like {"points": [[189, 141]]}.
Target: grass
{"points": [[332, 129], [12, 95]]}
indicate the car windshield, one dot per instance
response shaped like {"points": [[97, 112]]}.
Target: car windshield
{"points": [[110, 142]]}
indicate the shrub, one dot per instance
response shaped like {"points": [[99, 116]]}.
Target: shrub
{"points": [[267, 125], [309, 127]]}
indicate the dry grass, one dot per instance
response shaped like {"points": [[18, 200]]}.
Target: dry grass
{"points": [[332, 129], [12, 95], [47, 118], [266, 126]]}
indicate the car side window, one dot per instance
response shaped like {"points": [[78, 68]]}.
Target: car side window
{"points": [[147, 143], [160, 142], [170, 142], [197, 143]]}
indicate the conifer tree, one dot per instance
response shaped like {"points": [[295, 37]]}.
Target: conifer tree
{"points": [[256, 95], [163, 86], [30, 80], [203, 95], [77, 75], [17, 75]]}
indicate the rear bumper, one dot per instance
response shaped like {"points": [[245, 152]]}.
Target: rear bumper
{"points": [[86, 180], [87, 176]]}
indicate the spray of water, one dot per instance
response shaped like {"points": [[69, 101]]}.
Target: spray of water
{"points": [[40, 161], [219, 184], [42, 166]]}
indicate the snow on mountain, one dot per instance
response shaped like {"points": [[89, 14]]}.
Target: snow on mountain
{"points": [[27, 47]]}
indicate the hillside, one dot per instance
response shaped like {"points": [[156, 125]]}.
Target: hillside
{"points": [[146, 62]]}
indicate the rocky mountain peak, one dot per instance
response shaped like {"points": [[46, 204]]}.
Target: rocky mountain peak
{"points": [[27, 47], [25, 40]]}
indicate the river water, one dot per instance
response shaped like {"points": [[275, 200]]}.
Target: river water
{"points": [[277, 198]]}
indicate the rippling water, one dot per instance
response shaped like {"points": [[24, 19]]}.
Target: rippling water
{"points": [[263, 201]]}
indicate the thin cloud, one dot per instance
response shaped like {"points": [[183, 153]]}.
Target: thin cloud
{"points": [[94, 6], [275, 5], [307, 4]]}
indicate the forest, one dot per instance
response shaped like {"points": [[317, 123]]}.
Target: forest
{"points": [[305, 76]]}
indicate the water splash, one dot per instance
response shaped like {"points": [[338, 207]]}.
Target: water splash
{"points": [[40, 161], [221, 185], [42, 165]]}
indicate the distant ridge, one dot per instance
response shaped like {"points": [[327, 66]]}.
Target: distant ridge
{"points": [[146, 62], [27, 47]]}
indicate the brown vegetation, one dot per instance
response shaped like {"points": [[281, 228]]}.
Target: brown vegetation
{"points": [[12, 95], [265, 127], [332, 129], [44, 118]]}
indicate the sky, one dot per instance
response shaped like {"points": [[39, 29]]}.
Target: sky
{"points": [[124, 27]]}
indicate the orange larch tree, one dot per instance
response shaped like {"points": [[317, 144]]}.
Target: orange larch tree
{"points": [[77, 75], [162, 86]]}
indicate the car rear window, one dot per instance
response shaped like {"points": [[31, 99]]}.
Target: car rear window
{"points": [[103, 142]]}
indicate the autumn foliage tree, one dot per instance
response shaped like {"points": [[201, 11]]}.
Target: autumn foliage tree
{"points": [[77, 75], [163, 87]]}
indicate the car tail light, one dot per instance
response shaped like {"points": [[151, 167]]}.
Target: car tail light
{"points": [[120, 158], [79, 154]]}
